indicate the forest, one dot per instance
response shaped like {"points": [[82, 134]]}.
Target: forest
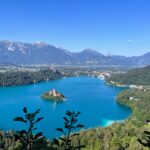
{"points": [[138, 76], [12, 78]]}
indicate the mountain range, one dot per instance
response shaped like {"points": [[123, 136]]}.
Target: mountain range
{"points": [[40, 53]]}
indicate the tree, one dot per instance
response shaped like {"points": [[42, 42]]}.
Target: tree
{"points": [[29, 140], [146, 142], [70, 125]]}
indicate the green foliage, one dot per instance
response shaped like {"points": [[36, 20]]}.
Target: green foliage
{"points": [[70, 125], [27, 77], [146, 142], [122, 135], [47, 96], [139, 104], [140, 76], [29, 140], [7, 140]]}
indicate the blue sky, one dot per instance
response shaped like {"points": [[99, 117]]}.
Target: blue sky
{"points": [[109, 26]]}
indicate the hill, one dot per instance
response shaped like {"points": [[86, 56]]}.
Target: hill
{"points": [[139, 76], [27, 77]]}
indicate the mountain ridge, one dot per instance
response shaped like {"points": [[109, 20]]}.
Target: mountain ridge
{"points": [[41, 53]]}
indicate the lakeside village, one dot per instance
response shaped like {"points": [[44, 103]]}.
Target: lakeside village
{"points": [[53, 95]]}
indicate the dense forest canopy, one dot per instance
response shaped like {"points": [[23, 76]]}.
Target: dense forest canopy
{"points": [[27, 77], [139, 76]]}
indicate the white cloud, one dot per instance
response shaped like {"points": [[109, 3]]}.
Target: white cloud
{"points": [[135, 40], [130, 40]]}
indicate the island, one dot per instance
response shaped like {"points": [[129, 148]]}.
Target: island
{"points": [[53, 95]]}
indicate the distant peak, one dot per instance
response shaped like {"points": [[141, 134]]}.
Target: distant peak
{"points": [[39, 43], [110, 55], [90, 50], [5, 41]]}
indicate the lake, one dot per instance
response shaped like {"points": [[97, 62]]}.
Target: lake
{"points": [[89, 95]]}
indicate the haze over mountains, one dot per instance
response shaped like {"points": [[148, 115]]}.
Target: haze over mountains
{"points": [[19, 53]]}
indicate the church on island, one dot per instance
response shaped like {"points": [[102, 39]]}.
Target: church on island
{"points": [[53, 95]]}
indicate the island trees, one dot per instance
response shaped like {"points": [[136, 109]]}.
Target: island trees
{"points": [[53, 95]]}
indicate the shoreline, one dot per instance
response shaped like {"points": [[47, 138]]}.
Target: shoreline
{"points": [[107, 123]]}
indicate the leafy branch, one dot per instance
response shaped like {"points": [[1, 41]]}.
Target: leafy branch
{"points": [[70, 125]]}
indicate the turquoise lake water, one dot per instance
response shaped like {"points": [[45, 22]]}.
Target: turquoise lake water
{"points": [[89, 95]]}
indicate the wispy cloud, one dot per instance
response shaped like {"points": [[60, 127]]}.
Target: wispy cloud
{"points": [[135, 40], [130, 40]]}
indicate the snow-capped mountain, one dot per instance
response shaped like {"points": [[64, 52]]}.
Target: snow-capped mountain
{"points": [[40, 53]]}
